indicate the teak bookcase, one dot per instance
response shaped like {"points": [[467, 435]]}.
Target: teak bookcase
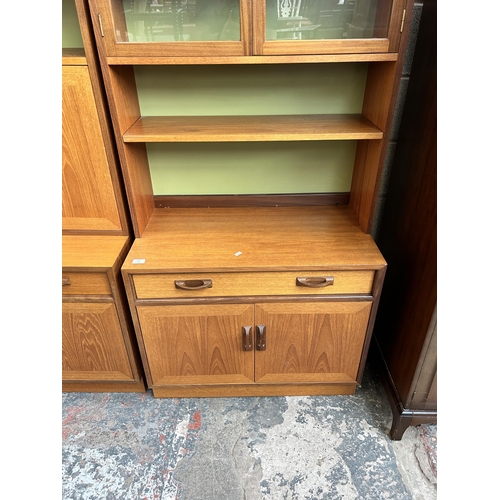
{"points": [[274, 294], [99, 349]]}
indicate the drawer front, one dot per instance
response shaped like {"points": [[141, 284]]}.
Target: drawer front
{"points": [[158, 286], [85, 284]]}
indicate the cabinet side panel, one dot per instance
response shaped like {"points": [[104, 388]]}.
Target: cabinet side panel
{"points": [[125, 110], [88, 191]]}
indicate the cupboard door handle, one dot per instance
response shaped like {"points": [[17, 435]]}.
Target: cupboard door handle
{"points": [[193, 284], [247, 338], [261, 338], [66, 280], [315, 281]]}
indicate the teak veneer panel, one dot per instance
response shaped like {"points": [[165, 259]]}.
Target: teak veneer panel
{"points": [[251, 128], [197, 345], [89, 197], [91, 252], [253, 239], [74, 57], [279, 59], [93, 345], [85, 284], [157, 286], [311, 342]]}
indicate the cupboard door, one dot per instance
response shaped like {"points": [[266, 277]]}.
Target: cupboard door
{"points": [[93, 348], [311, 342], [174, 28], [197, 344], [88, 197], [326, 26]]}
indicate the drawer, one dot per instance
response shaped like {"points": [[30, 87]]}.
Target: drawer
{"points": [[158, 286], [85, 284]]}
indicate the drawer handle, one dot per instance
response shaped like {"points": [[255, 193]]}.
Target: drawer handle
{"points": [[247, 338], [193, 284], [315, 281], [66, 280], [261, 338]]}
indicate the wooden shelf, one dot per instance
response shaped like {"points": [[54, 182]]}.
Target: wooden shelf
{"points": [[74, 57], [251, 128], [289, 59]]}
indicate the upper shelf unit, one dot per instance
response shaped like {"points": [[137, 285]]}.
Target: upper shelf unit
{"points": [[195, 28]]}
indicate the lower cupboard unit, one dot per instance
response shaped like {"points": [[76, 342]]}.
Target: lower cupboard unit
{"points": [[253, 301], [99, 351]]}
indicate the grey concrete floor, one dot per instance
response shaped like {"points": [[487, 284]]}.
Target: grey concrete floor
{"points": [[137, 447]]}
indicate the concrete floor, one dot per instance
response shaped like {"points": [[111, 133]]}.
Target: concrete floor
{"points": [[133, 446]]}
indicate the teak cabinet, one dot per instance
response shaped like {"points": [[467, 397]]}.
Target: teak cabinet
{"points": [[208, 274], [99, 349]]}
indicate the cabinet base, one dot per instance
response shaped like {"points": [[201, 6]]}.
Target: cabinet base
{"points": [[222, 391], [135, 386], [402, 417]]}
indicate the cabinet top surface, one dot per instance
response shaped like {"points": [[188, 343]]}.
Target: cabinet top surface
{"points": [[252, 239], [91, 251]]}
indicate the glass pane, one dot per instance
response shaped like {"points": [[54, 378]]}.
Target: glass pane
{"points": [[177, 20], [327, 19]]}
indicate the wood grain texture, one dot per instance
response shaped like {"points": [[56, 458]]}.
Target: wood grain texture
{"points": [[73, 57], [264, 283], [139, 185], [354, 46], [408, 226], [366, 181], [92, 343], [197, 344], [85, 284], [251, 128], [311, 342], [254, 59], [244, 390], [101, 103], [378, 106], [269, 239], [91, 253], [87, 188]]}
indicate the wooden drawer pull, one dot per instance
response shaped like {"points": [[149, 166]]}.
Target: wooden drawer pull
{"points": [[193, 284], [247, 338], [315, 281], [66, 280], [261, 338]]}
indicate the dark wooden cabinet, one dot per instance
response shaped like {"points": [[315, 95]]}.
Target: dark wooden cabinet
{"points": [[406, 327]]}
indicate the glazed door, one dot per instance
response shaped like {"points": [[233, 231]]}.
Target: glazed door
{"points": [[93, 348], [165, 28], [310, 342], [198, 344], [327, 26]]}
